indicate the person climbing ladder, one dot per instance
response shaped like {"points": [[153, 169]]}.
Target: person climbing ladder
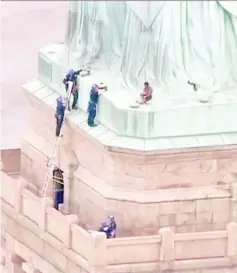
{"points": [[59, 115]]}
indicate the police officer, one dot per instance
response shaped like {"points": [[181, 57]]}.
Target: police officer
{"points": [[72, 76], [59, 115], [109, 227], [92, 105], [112, 227]]}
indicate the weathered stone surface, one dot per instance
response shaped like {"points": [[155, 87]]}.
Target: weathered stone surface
{"points": [[36, 243], [122, 184]]}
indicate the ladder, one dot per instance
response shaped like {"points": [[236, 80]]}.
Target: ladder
{"points": [[51, 164]]}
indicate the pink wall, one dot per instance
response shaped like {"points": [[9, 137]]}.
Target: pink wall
{"points": [[11, 160], [166, 250], [145, 191]]}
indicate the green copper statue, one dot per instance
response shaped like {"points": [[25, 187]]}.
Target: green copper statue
{"points": [[158, 41]]}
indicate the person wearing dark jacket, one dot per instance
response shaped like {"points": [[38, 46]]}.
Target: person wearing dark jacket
{"points": [[109, 227], [71, 76], [59, 115]]}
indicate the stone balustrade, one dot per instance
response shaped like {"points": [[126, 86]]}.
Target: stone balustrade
{"points": [[95, 253]]}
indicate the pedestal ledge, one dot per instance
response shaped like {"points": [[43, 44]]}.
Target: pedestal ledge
{"points": [[179, 115], [109, 138]]}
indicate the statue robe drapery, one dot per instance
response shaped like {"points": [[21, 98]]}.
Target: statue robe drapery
{"points": [[157, 41], [194, 41], [95, 31]]}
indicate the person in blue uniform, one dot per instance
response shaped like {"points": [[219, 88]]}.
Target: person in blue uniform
{"points": [[59, 187], [72, 76], [59, 115], [112, 227], [92, 105], [109, 227]]}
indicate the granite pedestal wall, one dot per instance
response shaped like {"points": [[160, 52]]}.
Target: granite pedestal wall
{"points": [[11, 160], [37, 238], [187, 189]]}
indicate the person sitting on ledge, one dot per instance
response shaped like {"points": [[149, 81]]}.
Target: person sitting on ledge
{"points": [[146, 95], [72, 76], [109, 228], [59, 115]]}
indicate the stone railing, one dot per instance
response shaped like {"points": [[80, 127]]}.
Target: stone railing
{"points": [[166, 250]]}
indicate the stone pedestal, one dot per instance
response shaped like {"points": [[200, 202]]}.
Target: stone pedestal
{"points": [[3, 259], [133, 162], [165, 117], [98, 256], [167, 253], [134, 179], [232, 240], [234, 202]]}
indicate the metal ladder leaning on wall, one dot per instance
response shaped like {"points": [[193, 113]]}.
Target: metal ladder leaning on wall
{"points": [[51, 164]]}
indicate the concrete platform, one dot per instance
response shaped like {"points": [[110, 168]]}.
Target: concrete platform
{"points": [[174, 113], [109, 137]]}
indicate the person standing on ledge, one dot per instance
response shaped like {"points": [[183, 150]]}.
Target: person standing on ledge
{"points": [[146, 95], [92, 105], [72, 76], [59, 115]]}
